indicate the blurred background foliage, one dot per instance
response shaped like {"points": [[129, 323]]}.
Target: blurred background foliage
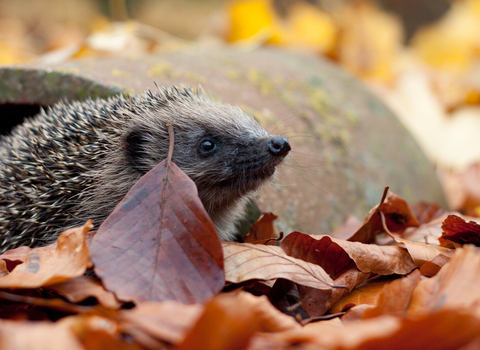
{"points": [[422, 57]]}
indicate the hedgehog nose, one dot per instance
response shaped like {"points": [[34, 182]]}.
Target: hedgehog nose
{"points": [[278, 146]]}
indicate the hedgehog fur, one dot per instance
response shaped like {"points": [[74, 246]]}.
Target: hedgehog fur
{"points": [[77, 161]]}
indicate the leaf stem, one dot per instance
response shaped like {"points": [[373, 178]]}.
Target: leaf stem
{"points": [[171, 137]]}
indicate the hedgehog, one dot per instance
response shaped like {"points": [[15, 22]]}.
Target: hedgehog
{"points": [[77, 160]]}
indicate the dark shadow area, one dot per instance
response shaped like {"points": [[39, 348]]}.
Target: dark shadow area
{"points": [[13, 114]]}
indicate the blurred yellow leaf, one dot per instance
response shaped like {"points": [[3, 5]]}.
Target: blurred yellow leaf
{"points": [[453, 43], [306, 27], [370, 40], [9, 54], [249, 18]]}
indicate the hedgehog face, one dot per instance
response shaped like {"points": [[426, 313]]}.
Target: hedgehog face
{"points": [[223, 150]]}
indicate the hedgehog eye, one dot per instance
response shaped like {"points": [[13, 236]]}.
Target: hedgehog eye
{"points": [[207, 146]]}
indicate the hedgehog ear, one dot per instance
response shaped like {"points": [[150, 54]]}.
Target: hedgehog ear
{"points": [[136, 142]]}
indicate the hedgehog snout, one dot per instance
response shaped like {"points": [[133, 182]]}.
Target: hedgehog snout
{"points": [[278, 146]]}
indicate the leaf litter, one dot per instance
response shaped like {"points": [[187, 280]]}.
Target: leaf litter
{"points": [[388, 283]]}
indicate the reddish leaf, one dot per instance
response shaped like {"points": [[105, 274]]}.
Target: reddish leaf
{"points": [[159, 243], [457, 230], [262, 230]]}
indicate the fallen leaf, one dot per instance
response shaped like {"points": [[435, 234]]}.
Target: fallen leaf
{"points": [[317, 302], [431, 268], [335, 255], [455, 286], [159, 243], [44, 267], [364, 294], [80, 288], [245, 261], [36, 335], [457, 230], [426, 233], [397, 214], [355, 313], [394, 298], [445, 329], [230, 320], [160, 322], [262, 230], [3, 268], [97, 333]]}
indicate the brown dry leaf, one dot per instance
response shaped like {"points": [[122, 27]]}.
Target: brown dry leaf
{"points": [[457, 230], [367, 293], [455, 286], [395, 297], [445, 329], [159, 243], [317, 302], [97, 333], [431, 268], [431, 232], [42, 267], [245, 261], [36, 335], [334, 255], [3, 268], [262, 230], [230, 320], [16, 256], [426, 233], [397, 214], [167, 321], [80, 288], [420, 253], [356, 313]]}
